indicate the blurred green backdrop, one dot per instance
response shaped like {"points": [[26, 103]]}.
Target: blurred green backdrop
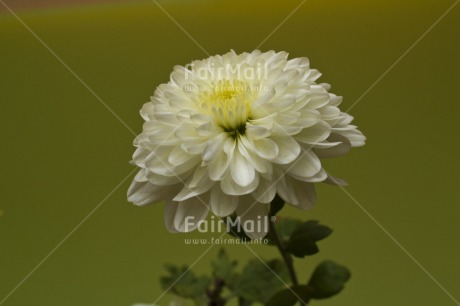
{"points": [[63, 152]]}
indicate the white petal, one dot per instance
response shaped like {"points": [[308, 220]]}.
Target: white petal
{"points": [[308, 118], [316, 133], [288, 149], [207, 129], [326, 86], [318, 100], [306, 193], [307, 165], [140, 155], [214, 147], [296, 62], [300, 194], [312, 75], [157, 161], [320, 145], [199, 119], [229, 146], [284, 102], [222, 204], [357, 139], [330, 112], [266, 148], [189, 214], [181, 103], [242, 170], [165, 116], [256, 131], [265, 121], [285, 190], [187, 192], [143, 193], [141, 176], [180, 76], [199, 176], [265, 192], [186, 131], [194, 146], [285, 130], [318, 177], [178, 156], [284, 78], [247, 149], [183, 168], [343, 148], [218, 167], [162, 180], [169, 214], [147, 111], [335, 100], [253, 217], [229, 186]]}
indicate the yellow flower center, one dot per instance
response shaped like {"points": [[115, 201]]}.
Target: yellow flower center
{"points": [[229, 102]]}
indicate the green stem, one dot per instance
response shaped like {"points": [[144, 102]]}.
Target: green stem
{"points": [[214, 295], [281, 247], [286, 257]]}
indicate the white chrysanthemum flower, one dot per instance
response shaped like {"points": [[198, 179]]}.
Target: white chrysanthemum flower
{"points": [[229, 132]]}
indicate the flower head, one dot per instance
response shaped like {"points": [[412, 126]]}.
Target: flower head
{"points": [[229, 132]]}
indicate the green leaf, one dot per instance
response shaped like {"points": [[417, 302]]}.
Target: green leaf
{"points": [[184, 283], [290, 296], [260, 280], [224, 269], [328, 279], [276, 205], [284, 227], [303, 240]]}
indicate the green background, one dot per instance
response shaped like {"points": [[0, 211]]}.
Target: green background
{"points": [[63, 152]]}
